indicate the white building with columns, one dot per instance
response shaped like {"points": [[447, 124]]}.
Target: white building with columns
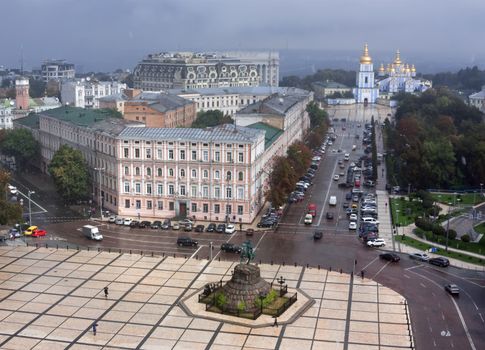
{"points": [[85, 93]]}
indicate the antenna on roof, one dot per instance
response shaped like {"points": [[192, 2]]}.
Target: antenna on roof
{"points": [[21, 59]]}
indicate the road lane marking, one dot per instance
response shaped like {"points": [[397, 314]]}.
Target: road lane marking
{"points": [[260, 240], [422, 285], [382, 268], [372, 261], [196, 251], [406, 276], [328, 191], [481, 317]]}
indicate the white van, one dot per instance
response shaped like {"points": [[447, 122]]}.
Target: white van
{"points": [[346, 156], [308, 219], [92, 232], [333, 200]]}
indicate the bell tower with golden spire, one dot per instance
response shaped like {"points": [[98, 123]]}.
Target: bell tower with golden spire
{"points": [[366, 91]]}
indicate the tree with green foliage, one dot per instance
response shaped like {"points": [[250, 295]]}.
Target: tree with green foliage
{"points": [[10, 213], [20, 143], [338, 75], [317, 115], [37, 88], [211, 118], [70, 174]]}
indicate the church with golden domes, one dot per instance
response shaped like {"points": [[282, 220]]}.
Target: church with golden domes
{"points": [[397, 77]]}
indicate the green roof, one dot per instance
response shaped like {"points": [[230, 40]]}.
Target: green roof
{"points": [[31, 121], [271, 134], [81, 116]]}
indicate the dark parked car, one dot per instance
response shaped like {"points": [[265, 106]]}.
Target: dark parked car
{"points": [[329, 216], [348, 196], [249, 232], [186, 242], [156, 224], [267, 223], [390, 257], [221, 228], [317, 235], [199, 228], [230, 248], [134, 224], [211, 227], [443, 262], [166, 224], [144, 224]]}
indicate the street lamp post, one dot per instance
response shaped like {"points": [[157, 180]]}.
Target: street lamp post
{"points": [[447, 230], [30, 206], [397, 221], [99, 170]]}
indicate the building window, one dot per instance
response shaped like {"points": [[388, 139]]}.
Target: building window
{"points": [[137, 187], [194, 207], [171, 190], [127, 203], [240, 210], [127, 187], [229, 157], [138, 204], [137, 153], [217, 208], [127, 170], [159, 153], [149, 188], [193, 191], [217, 175], [194, 155], [205, 174], [240, 193], [228, 176], [137, 171], [149, 171], [205, 208], [182, 190], [126, 152], [148, 153], [160, 205], [182, 172], [241, 157], [159, 172], [194, 173], [160, 189], [217, 156], [170, 172], [182, 154], [217, 192], [205, 192], [170, 154], [228, 192], [228, 209], [149, 204], [171, 206], [205, 156], [240, 176]]}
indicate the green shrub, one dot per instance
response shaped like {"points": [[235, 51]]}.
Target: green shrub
{"points": [[241, 306], [221, 300], [438, 230], [465, 238], [419, 232], [423, 224], [452, 234]]}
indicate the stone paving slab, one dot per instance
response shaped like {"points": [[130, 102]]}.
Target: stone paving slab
{"points": [[49, 299]]}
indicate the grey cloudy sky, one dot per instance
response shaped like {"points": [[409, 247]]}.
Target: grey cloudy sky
{"points": [[107, 34]]}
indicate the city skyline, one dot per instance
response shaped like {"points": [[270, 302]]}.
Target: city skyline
{"points": [[117, 34]]}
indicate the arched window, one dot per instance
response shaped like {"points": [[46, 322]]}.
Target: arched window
{"points": [[182, 172], [170, 172], [217, 175], [149, 171], [206, 174], [228, 176], [240, 176], [194, 173], [228, 192], [159, 172], [137, 171]]}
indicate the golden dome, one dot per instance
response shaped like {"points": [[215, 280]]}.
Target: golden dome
{"points": [[413, 69], [397, 60], [381, 68], [365, 58], [408, 70]]}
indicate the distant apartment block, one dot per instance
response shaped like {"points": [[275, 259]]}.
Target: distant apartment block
{"points": [[85, 93], [6, 116], [478, 99], [188, 70], [155, 109], [57, 70]]}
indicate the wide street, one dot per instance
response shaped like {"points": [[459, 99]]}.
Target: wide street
{"points": [[438, 320]]}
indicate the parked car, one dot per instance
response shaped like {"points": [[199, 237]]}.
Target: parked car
{"points": [[127, 222], [317, 235], [353, 217], [211, 227], [419, 256], [329, 216], [249, 232], [230, 248], [166, 224], [345, 205], [336, 177], [266, 223], [186, 242], [221, 228], [199, 228], [379, 242], [30, 230], [38, 233], [134, 224], [112, 219], [156, 224], [352, 225], [144, 224], [452, 289], [185, 222], [119, 221], [176, 226], [188, 227], [14, 233], [443, 262], [390, 257], [348, 196], [230, 228]]}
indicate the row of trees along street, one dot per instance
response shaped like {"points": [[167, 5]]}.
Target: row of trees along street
{"points": [[437, 141], [288, 169]]}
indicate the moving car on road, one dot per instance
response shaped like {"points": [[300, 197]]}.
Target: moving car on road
{"points": [[230, 248], [308, 219], [419, 256], [317, 235], [390, 257], [379, 242], [39, 233], [452, 289], [186, 242], [30, 230]]}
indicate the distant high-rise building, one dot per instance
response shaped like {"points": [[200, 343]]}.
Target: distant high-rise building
{"points": [[187, 70], [57, 70]]}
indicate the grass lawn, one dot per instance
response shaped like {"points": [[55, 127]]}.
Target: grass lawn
{"points": [[425, 246], [408, 211], [480, 229], [461, 198]]}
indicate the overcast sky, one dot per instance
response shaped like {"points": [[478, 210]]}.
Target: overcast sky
{"points": [[107, 34]]}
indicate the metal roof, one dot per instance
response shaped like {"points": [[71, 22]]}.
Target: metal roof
{"points": [[221, 133]]}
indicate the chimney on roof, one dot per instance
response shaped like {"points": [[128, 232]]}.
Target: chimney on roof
{"points": [[131, 93]]}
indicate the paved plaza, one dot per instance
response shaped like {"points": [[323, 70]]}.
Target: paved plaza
{"points": [[51, 298]]}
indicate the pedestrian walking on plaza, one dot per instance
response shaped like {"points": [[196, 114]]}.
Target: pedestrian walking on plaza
{"points": [[95, 325], [275, 324], [362, 274], [106, 292]]}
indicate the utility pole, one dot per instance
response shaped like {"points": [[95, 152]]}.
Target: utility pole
{"points": [[30, 207], [100, 199]]}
